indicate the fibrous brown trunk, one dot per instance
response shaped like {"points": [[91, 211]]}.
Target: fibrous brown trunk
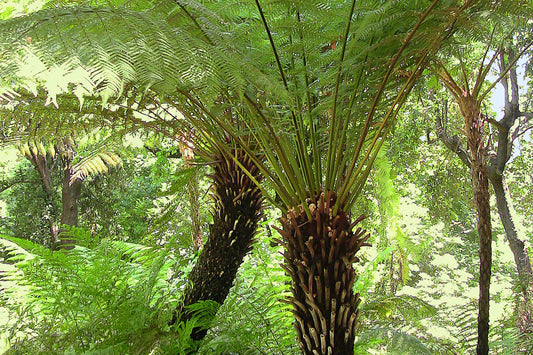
{"points": [[236, 213], [319, 252], [480, 185], [476, 160]]}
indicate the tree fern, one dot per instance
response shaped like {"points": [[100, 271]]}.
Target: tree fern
{"points": [[346, 103]]}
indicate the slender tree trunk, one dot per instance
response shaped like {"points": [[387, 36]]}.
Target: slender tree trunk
{"points": [[40, 163], [237, 210], [495, 173], [521, 258], [320, 251], [70, 194], [508, 131], [523, 264], [480, 186]]}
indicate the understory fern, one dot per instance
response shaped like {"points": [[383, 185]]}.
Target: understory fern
{"points": [[112, 298]]}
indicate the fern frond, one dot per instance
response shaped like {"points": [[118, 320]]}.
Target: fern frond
{"points": [[107, 48], [390, 341], [106, 299], [97, 162], [410, 308]]}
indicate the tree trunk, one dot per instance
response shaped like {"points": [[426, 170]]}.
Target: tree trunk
{"points": [[319, 252], [40, 163], [236, 214], [480, 186], [70, 194], [521, 258], [523, 264]]}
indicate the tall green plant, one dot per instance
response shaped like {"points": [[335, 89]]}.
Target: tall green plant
{"points": [[311, 163], [231, 235], [314, 88]]}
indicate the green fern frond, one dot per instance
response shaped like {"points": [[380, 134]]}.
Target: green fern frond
{"points": [[23, 248], [107, 48], [410, 308], [97, 162], [138, 47], [179, 181], [105, 299], [389, 341], [365, 278]]}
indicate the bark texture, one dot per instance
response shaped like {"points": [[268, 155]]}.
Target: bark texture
{"points": [[319, 252], [236, 213], [470, 110], [70, 194]]}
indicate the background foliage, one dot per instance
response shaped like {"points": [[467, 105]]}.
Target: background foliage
{"points": [[115, 292]]}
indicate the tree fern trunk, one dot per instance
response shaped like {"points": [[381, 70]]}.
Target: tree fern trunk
{"points": [[236, 213], [319, 254], [480, 186]]}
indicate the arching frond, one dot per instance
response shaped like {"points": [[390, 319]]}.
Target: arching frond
{"points": [[304, 112], [100, 50], [98, 162]]}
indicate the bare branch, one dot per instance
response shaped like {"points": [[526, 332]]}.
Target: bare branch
{"points": [[8, 184], [452, 143], [513, 62], [519, 134], [527, 115]]}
